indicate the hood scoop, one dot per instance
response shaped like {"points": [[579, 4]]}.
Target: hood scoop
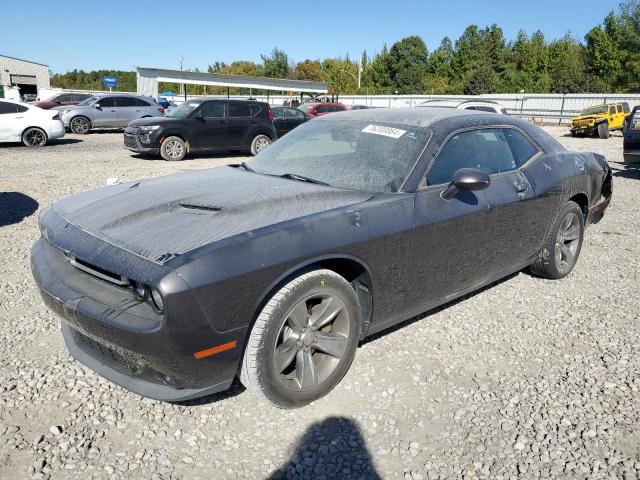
{"points": [[199, 206]]}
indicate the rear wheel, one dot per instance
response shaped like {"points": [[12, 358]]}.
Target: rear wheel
{"points": [[560, 252], [173, 149], [303, 341], [260, 143], [34, 137], [80, 125], [603, 130]]}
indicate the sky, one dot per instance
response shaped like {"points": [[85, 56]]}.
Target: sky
{"points": [[116, 34]]}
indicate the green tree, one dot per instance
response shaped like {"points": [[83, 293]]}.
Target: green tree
{"points": [[407, 62], [340, 75], [309, 70], [376, 77], [276, 65]]}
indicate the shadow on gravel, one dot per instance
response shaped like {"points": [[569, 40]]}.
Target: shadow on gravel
{"points": [[15, 206], [332, 448], [424, 315], [192, 156], [628, 170], [236, 389], [51, 143]]}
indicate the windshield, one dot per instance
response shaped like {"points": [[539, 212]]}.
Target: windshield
{"points": [[595, 110], [346, 154], [305, 107], [88, 101], [183, 110]]}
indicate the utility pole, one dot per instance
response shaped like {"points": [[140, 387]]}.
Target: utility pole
{"points": [[182, 89], [359, 70]]}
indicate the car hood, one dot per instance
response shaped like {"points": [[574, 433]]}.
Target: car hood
{"points": [[589, 117], [154, 121], [162, 218]]}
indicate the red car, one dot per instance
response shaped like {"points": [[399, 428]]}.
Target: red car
{"points": [[319, 109], [61, 100]]}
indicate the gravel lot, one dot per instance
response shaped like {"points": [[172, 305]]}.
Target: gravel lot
{"points": [[529, 378]]}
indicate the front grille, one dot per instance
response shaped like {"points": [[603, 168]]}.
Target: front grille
{"points": [[581, 123], [130, 141], [98, 272], [125, 362]]}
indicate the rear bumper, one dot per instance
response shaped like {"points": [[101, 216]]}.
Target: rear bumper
{"points": [[120, 338], [56, 131], [631, 156]]}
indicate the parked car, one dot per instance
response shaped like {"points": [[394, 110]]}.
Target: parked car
{"points": [[109, 111], [275, 270], [323, 108], [28, 124], [29, 97], [62, 100], [601, 119], [164, 103], [198, 125], [479, 105], [359, 107], [286, 119], [631, 140]]}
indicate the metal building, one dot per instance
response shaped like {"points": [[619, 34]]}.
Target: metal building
{"points": [[19, 77]]}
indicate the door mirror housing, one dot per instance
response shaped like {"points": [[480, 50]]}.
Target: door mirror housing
{"points": [[96, 105], [466, 179]]}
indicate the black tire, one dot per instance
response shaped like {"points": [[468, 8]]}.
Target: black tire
{"points": [[173, 149], [603, 130], [259, 143], [563, 241], [34, 137], [315, 294], [80, 125]]}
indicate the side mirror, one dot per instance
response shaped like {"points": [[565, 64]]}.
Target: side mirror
{"points": [[466, 179], [96, 105]]}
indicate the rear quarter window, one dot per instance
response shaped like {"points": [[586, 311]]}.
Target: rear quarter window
{"points": [[239, 110]]}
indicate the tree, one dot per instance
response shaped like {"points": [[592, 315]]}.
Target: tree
{"points": [[340, 75], [407, 61], [276, 65], [376, 77], [309, 70], [483, 79], [567, 62]]}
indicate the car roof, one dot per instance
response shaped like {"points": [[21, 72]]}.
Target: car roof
{"points": [[414, 116], [456, 103]]}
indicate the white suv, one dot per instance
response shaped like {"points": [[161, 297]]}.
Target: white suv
{"points": [[28, 124], [480, 105]]}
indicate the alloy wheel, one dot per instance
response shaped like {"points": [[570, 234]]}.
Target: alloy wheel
{"points": [[80, 125], [34, 137], [174, 149], [567, 242], [261, 144], [311, 342]]}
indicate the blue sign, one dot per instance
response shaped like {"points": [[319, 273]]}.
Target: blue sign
{"points": [[110, 81]]}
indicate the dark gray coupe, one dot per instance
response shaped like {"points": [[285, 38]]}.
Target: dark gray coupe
{"points": [[275, 271]]}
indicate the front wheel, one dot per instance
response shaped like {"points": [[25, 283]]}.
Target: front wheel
{"points": [[562, 247], [173, 149], [260, 143], [303, 341], [34, 137], [603, 130], [80, 125]]}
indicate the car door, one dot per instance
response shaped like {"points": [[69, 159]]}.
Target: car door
{"points": [[631, 141], [280, 120], [128, 110], [105, 113], [477, 236], [12, 121], [619, 123], [240, 122], [294, 118], [208, 127]]}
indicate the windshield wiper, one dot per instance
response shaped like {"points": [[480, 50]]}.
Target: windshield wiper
{"points": [[302, 178], [245, 166]]}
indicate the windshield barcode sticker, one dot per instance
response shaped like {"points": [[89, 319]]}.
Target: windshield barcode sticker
{"points": [[386, 131]]}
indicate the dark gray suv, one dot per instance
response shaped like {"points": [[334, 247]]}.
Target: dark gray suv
{"points": [[109, 111]]}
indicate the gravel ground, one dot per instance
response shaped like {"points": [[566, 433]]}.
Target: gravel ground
{"points": [[529, 378]]}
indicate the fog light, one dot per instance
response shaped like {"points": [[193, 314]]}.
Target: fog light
{"points": [[156, 297], [145, 138], [139, 289]]}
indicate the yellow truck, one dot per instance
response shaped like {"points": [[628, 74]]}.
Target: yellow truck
{"points": [[601, 119]]}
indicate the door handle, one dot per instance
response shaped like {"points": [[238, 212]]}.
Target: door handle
{"points": [[520, 186], [137, 110]]}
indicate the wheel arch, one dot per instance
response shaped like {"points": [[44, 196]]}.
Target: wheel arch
{"points": [[353, 269], [583, 202], [180, 135]]}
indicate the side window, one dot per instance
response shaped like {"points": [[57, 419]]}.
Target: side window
{"points": [[294, 113], [213, 110], [612, 109], [619, 108], [483, 108], [278, 113], [239, 110], [625, 107], [64, 98], [107, 102], [255, 110], [485, 149], [470, 108], [141, 103], [523, 150], [21, 108], [6, 107], [125, 102]]}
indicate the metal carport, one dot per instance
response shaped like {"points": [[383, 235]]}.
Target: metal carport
{"points": [[148, 79]]}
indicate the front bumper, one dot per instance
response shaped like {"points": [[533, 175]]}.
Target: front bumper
{"points": [[584, 129], [133, 142], [120, 338]]}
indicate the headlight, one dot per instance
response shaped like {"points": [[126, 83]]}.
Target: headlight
{"points": [[156, 297], [148, 128]]}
